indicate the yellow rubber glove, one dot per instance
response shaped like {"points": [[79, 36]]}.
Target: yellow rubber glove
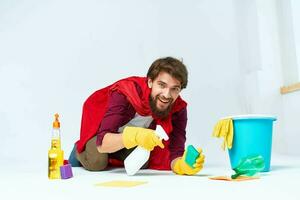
{"points": [[182, 168], [144, 137], [224, 128]]}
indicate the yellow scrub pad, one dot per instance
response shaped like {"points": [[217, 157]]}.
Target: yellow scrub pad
{"points": [[226, 178], [121, 183]]}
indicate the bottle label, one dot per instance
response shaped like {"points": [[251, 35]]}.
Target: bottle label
{"points": [[55, 143], [55, 160], [53, 168]]}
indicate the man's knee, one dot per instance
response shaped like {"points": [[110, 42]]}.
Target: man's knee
{"points": [[98, 164], [93, 162], [91, 159]]}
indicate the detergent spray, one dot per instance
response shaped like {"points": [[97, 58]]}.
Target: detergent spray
{"points": [[139, 156], [55, 153]]}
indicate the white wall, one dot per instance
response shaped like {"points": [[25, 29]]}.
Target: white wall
{"points": [[272, 35], [54, 54], [295, 14], [270, 76], [204, 35], [291, 108]]}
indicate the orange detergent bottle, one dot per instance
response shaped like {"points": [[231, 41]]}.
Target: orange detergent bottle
{"points": [[55, 153]]}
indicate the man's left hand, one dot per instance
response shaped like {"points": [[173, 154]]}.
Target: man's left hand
{"points": [[182, 168]]}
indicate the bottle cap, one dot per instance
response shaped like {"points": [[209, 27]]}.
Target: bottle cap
{"points": [[56, 123]]}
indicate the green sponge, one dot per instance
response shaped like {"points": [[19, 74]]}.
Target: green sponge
{"points": [[191, 155]]}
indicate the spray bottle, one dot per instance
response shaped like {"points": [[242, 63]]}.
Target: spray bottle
{"points": [[139, 156], [55, 153]]}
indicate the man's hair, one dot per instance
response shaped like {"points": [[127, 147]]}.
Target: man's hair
{"points": [[172, 66]]}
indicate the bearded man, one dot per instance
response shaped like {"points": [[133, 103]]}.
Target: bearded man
{"points": [[124, 115]]}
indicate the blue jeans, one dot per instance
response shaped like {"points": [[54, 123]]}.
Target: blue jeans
{"points": [[72, 158]]}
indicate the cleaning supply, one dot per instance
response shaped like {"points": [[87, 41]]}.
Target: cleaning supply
{"points": [[224, 128], [249, 166], [121, 183], [66, 171], [192, 155], [228, 178], [137, 136], [181, 167], [139, 156], [252, 136], [55, 154]]}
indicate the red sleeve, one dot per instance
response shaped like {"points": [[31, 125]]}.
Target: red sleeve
{"points": [[178, 135], [119, 112]]}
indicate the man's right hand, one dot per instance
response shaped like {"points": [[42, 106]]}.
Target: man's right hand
{"points": [[136, 136]]}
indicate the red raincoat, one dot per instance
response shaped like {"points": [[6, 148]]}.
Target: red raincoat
{"points": [[95, 107]]}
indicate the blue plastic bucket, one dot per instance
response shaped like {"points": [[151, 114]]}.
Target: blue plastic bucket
{"points": [[252, 136]]}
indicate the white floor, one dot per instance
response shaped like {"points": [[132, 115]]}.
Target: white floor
{"points": [[283, 182]]}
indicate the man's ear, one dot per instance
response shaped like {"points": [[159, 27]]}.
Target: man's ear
{"points": [[150, 83]]}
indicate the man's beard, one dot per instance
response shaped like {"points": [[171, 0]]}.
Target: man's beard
{"points": [[162, 114]]}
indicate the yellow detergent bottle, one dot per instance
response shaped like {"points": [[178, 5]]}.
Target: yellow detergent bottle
{"points": [[55, 154]]}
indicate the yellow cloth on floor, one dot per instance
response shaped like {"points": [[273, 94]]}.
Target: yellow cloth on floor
{"points": [[224, 128], [227, 178], [121, 183]]}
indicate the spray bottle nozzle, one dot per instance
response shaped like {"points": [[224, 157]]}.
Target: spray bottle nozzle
{"points": [[56, 123]]}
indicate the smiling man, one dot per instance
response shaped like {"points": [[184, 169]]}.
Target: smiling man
{"points": [[124, 115]]}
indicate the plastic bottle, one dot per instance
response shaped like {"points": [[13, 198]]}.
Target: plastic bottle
{"points": [[249, 166], [139, 156], [55, 153]]}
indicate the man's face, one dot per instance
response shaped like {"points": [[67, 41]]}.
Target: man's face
{"points": [[165, 90]]}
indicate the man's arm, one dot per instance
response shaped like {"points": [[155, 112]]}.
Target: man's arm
{"points": [[119, 112], [111, 143], [177, 156], [178, 135]]}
